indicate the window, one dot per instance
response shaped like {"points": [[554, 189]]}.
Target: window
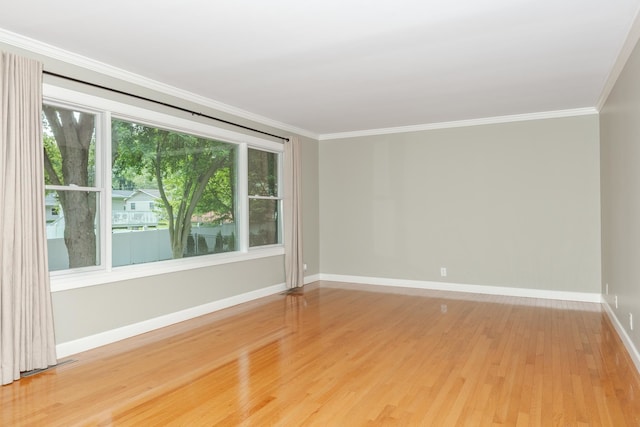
{"points": [[191, 177], [264, 198], [69, 138], [134, 187]]}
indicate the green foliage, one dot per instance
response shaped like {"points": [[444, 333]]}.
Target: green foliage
{"points": [[230, 241], [262, 173], [193, 175], [263, 182], [52, 154], [130, 156], [219, 247], [216, 206]]}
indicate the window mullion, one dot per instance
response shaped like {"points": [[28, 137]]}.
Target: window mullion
{"points": [[72, 188], [265, 197], [242, 198], [281, 196], [104, 176]]}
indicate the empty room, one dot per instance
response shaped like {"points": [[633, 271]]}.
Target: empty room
{"points": [[320, 213]]}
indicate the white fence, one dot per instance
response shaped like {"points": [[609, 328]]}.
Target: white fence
{"points": [[137, 247], [134, 219]]}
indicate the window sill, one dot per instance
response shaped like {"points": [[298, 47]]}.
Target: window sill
{"points": [[63, 281]]}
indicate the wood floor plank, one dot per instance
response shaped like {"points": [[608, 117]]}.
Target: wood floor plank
{"points": [[345, 354]]}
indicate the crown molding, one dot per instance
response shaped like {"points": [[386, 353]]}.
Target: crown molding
{"points": [[463, 123], [84, 62], [633, 35], [53, 52]]}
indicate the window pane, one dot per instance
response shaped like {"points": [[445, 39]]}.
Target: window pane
{"points": [[263, 222], [173, 194], [69, 146], [72, 231], [70, 159], [263, 173]]}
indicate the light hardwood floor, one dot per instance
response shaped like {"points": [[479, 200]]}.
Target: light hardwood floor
{"points": [[350, 355]]}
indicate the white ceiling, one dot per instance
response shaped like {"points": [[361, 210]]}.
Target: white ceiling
{"points": [[334, 66]]}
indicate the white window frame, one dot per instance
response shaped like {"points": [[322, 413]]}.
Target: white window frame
{"points": [[279, 198], [99, 186], [105, 110]]}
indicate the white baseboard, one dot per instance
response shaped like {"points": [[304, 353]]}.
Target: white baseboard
{"points": [[476, 289], [311, 279], [111, 336], [108, 337], [622, 333]]}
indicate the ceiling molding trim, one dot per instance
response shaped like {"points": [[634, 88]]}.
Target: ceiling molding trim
{"points": [[463, 123], [53, 52], [623, 56]]}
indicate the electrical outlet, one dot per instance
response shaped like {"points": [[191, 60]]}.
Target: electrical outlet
{"points": [[616, 300], [606, 287], [443, 271], [631, 321], [304, 266]]}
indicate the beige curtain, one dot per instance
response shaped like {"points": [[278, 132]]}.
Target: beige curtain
{"points": [[293, 261], [26, 319]]}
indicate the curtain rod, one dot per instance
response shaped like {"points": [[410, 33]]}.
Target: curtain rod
{"points": [[175, 107]]}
